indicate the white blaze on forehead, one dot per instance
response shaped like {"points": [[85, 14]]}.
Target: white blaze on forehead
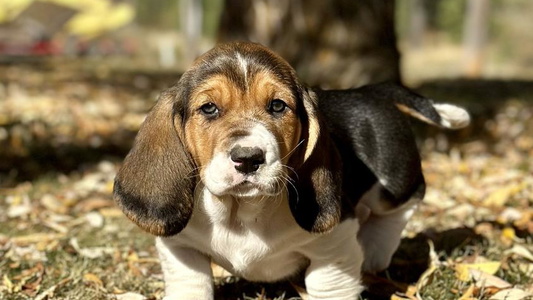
{"points": [[244, 66]]}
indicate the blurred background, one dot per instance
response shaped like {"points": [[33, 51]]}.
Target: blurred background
{"points": [[78, 77], [437, 39]]}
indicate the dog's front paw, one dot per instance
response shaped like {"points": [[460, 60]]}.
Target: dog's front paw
{"points": [[378, 248], [380, 236]]}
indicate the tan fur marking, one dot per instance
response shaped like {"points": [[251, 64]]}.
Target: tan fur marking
{"points": [[238, 111], [415, 114]]}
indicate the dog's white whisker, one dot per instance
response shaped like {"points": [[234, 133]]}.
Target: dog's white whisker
{"points": [[292, 150]]}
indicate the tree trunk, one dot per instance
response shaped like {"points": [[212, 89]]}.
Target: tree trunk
{"points": [[418, 23], [332, 44], [475, 36], [191, 25]]}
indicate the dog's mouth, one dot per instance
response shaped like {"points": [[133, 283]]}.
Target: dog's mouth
{"points": [[248, 188]]}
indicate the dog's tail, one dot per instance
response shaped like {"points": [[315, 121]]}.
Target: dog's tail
{"points": [[439, 114]]}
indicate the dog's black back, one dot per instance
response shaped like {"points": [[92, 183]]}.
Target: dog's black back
{"points": [[375, 140]]}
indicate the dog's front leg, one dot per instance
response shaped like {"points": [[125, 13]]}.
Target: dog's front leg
{"points": [[335, 265], [332, 281], [187, 272], [380, 236]]}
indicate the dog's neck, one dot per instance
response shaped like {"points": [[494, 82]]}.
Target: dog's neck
{"points": [[239, 212]]}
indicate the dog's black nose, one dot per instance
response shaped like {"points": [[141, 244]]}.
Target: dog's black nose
{"points": [[247, 159]]}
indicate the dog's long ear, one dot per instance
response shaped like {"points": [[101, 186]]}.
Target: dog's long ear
{"points": [[155, 185], [315, 198]]}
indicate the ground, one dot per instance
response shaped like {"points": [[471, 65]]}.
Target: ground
{"points": [[65, 129]]}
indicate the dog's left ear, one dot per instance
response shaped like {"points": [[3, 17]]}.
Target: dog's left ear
{"points": [[315, 198], [155, 186]]}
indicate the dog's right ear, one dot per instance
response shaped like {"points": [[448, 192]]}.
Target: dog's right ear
{"points": [[155, 186]]}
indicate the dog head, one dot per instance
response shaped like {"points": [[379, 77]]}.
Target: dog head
{"points": [[240, 122]]}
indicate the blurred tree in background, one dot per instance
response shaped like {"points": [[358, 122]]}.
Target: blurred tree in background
{"points": [[338, 44]]}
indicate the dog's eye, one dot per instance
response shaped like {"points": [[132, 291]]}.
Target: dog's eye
{"points": [[209, 109], [277, 106]]}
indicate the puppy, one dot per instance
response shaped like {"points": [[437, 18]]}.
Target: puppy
{"points": [[242, 165]]}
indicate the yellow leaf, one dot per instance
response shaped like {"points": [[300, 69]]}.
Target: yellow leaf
{"points": [[133, 256], [462, 271], [498, 197], [8, 283], [411, 291], [91, 278], [508, 234], [469, 294]]}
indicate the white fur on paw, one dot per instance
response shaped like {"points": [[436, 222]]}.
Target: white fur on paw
{"points": [[378, 252], [453, 117], [380, 236]]}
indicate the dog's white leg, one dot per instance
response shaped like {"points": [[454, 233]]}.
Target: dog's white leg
{"points": [[187, 272], [380, 236], [335, 269]]}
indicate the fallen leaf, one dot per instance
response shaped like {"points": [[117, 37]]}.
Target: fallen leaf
{"points": [[35, 238], [507, 236], [219, 272], [301, 291], [509, 214], [111, 212], [50, 202], [520, 251], [8, 284], [513, 293], [55, 226], [92, 252], [19, 207], [91, 278], [129, 296], [95, 219], [463, 271], [468, 294], [498, 197], [483, 279]]}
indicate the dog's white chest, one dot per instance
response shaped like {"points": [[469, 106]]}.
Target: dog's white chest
{"points": [[247, 239], [254, 256]]}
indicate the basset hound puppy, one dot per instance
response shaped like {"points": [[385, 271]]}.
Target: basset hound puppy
{"points": [[241, 164]]}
